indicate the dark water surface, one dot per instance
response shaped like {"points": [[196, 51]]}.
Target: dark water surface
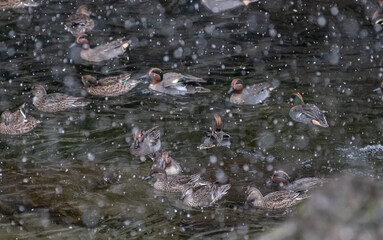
{"points": [[73, 176]]}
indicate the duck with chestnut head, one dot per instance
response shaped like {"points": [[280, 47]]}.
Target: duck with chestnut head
{"points": [[250, 95], [100, 53], [175, 83], [306, 113], [146, 142], [216, 137], [171, 166], [300, 185]]}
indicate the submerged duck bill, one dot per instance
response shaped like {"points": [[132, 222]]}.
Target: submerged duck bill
{"points": [[148, 177], [136, 144]]}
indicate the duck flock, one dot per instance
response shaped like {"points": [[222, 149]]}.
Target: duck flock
{"points": [[194, 191]]}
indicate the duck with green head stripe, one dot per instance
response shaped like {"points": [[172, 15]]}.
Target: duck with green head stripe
{"points": [[175, 83], [306, 113], [250, 95]]}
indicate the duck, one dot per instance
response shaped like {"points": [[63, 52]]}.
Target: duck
{"points": [[306, 113], [377, 17], [17, 123], [146, 142], [250, 95], [109, 86], [175, 83], [274, 200], [167, 163], [6, 4], [304, 184], [173, 183], [217, 6], [55, 102], [216, 137], [80, 22], [100, 53], [204, 196]]}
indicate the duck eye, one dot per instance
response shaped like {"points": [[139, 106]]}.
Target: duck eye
{"points": [[239, 82]]}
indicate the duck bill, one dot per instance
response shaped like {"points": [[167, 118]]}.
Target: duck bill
{"points": [[136, 144], [6, 121], [145, 76], [230, 90], [148, 177], [377, 89]]}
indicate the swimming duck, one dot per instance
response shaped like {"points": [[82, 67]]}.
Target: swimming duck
{"points": [[274, 200], [217, 6], [377, 17], [168, 163], [79, 22], [306, 113], [55, 102], [17, 123], [102, 52], [146, 142], [174, 183], [205, 196], [216, 137], [5, 4], [250, 95], [175, 83], [109, 86], [304, 184]]}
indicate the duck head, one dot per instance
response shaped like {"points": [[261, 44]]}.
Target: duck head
{"points": [[6, 117], [296, 99], [254, 196], [281, 177], [217, 122], [138, 138], [166, 161], [156, 75], [88, 80], [39, 91], [236, 86]]}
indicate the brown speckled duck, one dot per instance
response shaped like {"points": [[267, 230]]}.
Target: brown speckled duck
{"points": [[55, 102], [175, 83], [146, 142], [174, 183], [109, 86], [274, 200], [304, 184], [250, 95], [102, 52], [306, 113], [167, 163], [216, 137], [79, 22], [6, 4], [17, 123], [204, 196]]}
